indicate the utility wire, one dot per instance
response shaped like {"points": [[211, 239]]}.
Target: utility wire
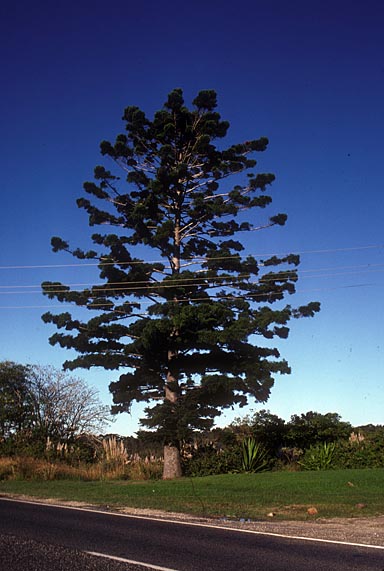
{"points": [[185, 300], [191, 282], [197, 259]]}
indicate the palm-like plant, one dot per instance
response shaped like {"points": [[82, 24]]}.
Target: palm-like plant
{"points": [[254, 456]]}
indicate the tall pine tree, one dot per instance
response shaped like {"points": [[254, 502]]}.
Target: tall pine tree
{"points": [[181, 330]]}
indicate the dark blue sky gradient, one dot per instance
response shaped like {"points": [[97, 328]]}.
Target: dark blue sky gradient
{"points": [[309, 75]]}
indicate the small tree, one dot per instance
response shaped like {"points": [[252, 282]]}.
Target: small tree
{"points": [[312, 428], [182, 328], [39, 403], [64, 406], [265, 427], [16, 407]]}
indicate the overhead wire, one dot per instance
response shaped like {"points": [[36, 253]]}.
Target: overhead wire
{"points": [[185, 300], [206, 281], [195, 281], [197, 259]]}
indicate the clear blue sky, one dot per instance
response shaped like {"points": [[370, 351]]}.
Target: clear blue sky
{"points": [[309, 75]]}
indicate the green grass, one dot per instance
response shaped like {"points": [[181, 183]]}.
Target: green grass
{"points": [[287, 494]]}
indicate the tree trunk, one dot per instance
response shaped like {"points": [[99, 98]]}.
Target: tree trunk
{"points": [[172, 464]]}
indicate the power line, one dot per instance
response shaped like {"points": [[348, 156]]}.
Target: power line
{"points": [[208, 299], [203, 281], [192, 282], [196, 259]]}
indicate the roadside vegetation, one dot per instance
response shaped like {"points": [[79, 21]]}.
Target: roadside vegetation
{"points": [[50, 447], [259, 443]]}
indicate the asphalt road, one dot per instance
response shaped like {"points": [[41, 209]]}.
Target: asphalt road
{"points": [[28, 555], [41, 538]]}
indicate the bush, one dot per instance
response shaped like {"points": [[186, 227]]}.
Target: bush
{"points": [[318, 457], [26, 467], [148, 468], [22, 443], [313, 428], [208, 460], [7, 468], [288, 459], [264, 427], [365, 453]]}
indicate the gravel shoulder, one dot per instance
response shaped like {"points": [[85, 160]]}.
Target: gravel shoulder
{"points": [[359, 530]]}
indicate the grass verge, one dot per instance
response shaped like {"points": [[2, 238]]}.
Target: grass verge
{"points": [[338, 493]]}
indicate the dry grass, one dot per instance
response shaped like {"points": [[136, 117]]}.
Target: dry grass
{"points": [[7, 468], [148, 468], [115, 464]]}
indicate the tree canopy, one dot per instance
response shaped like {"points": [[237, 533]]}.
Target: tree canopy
{"points": [[65, 406], [315, 428], [41, 404], [301, 431], [16, 405], [181, 324]]}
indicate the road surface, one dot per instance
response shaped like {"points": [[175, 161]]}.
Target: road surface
{"points": [[40, 537]]}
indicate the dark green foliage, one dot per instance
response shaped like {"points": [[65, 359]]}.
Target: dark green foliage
{"points": [[360, 450], [314, 428], [179, 329], [264, 427], [208, 460], [23, 443], [363, 449], [288, 458], [16, 404], [220, 451], [269, 429], [288, 441]]}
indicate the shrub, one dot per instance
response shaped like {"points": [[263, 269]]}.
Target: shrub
{"points": [[314, 428], [288, 459], [208, 460], [148, 468], [7, 468], [367, 453], [318, 457], [254, 457], [26, 467]]}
